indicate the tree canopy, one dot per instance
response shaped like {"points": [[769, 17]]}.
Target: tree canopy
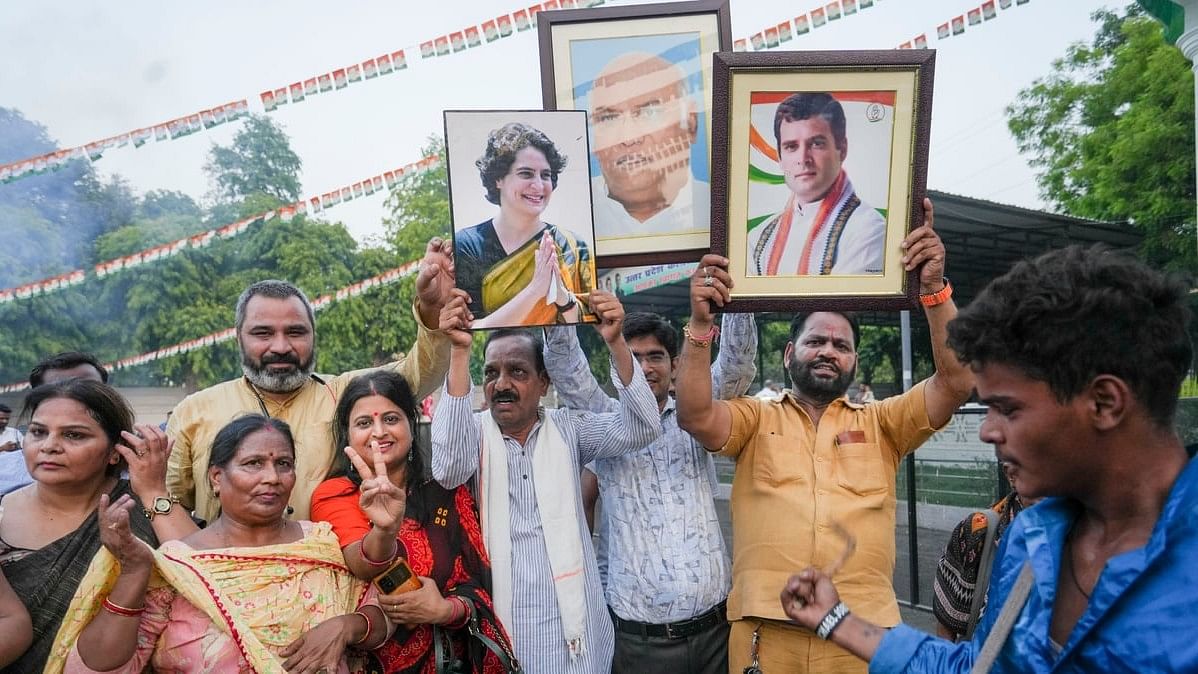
{"points": [[1111, 133], [193, 293]]}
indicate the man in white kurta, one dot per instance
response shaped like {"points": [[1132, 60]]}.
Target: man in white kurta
{"points": [[523, 563]]}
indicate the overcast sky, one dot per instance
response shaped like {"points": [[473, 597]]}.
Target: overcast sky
{"points": [[88, 70]]}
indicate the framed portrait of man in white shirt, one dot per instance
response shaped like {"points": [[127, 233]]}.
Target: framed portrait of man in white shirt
{"points": [[643, 74], [820, 168]]}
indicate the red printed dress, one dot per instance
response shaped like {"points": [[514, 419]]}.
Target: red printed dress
{"points": [[441, 538]]}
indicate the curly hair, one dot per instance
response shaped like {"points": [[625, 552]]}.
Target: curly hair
{"points": [[503, 144], [1073, 314]]}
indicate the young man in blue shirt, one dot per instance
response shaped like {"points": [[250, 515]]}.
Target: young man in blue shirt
{"points": [[1079, 355]]}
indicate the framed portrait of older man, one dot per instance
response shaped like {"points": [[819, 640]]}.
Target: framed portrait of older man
{"points": [[820, 171], [643, 75], [519, 199]]}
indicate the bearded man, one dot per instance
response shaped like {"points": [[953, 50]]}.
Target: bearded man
{"points": [[276, 334], [814, 463]]}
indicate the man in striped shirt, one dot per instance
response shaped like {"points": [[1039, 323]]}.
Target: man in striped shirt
{"points": [[546, 584]]}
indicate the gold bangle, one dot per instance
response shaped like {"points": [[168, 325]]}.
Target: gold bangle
{"points": [[702, 341]]}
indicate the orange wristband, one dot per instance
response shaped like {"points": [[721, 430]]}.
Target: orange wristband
{"points": [[939, 297]]}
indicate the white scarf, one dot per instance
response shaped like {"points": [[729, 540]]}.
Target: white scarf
{"points": [[556, 491]]}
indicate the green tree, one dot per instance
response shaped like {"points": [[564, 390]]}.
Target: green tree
{"points": [[260, 161], [1111, 133]]}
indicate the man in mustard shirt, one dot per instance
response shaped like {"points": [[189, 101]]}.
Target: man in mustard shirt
{"points": [[813, 462], [276, 333]]}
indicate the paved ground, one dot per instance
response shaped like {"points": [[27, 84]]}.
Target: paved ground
{"points": [[930, 544]]}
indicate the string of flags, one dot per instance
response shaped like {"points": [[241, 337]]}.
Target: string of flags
{"points": [[773, 36], [272, 99], [984, 12], [316, 204], [322, 302]]}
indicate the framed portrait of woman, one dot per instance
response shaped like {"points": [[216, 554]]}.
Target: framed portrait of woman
{"points": [[643, 73], [520, 202], [820, 172]]}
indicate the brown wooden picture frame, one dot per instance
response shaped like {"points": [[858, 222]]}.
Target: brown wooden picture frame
{"points": [[601, 47], [841, 262]]}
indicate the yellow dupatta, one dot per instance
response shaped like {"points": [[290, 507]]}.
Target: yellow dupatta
{"points": [[508, 276], [238, 589]]}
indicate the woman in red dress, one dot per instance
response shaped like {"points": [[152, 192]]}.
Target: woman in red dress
{"points": [[383, 507]]}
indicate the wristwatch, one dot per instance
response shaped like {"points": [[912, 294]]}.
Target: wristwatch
{"points": [[161, 505]]}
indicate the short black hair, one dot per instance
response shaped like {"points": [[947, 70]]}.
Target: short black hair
{"points": [[104, 404], [806, 105], [274, 289], [228, 439], [534, 344], [645, 324], [64, 361], [5, 409], [800, 320], [1073, 314], [502, 146]]}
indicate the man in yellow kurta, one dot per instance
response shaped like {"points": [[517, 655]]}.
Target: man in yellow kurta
{"points": [[813, 462], [276, 335]]}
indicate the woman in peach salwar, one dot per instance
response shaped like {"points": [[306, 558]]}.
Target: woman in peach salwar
{"points": [[253, 592]]}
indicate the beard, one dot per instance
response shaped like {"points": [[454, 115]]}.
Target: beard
{"points": [[820, 389], [284, 381]]}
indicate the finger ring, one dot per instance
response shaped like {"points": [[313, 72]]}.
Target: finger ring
{"points": [[707, 271], [707, 281], [143, 452], [112, 526]]}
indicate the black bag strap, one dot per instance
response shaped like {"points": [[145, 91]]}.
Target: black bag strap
{"points": [[985, 564], [443, 647]]}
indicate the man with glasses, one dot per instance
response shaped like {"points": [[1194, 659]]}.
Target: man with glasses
{"points": [[661, 555], [643, 123]]}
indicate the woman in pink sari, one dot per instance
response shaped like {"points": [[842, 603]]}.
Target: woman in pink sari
{"points": [[253, 592]]}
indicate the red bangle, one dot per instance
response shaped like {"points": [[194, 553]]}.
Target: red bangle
{"points": [[385, 562], [117, 609], [458, 621], [369, 626]]}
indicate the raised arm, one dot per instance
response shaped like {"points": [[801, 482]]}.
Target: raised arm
{"points": [[708, 421], [949, 387], [637, 421], [455, 434], [110, 640], [425, 364], [147, 452], [571, 374], [735, 365]]}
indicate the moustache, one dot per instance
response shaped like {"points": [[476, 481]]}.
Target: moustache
{"points": [[829, 363], [289, 358], [504, 397]]}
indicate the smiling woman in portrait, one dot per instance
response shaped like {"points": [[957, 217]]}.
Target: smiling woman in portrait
{"points": [[518, 269]]}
